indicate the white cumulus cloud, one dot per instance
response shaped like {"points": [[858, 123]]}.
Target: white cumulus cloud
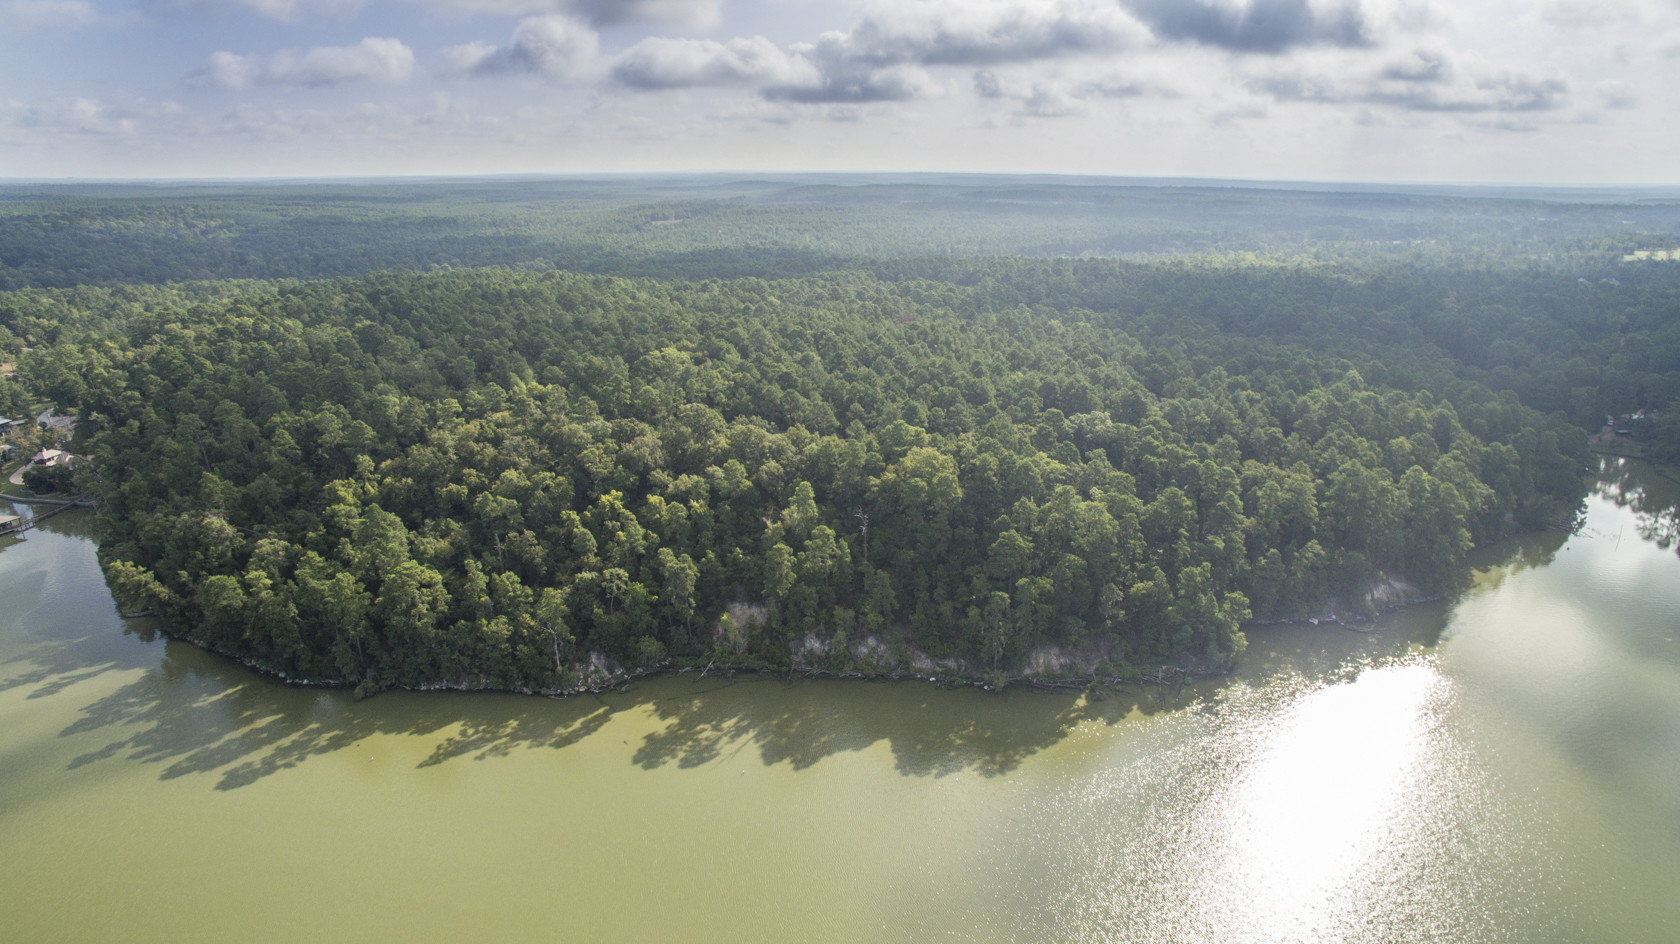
{"points": [[375, 59], [663, 63], [886, 57], [82, 117], [983, 32], [679, 13], [1426, 81], [554, 45]]}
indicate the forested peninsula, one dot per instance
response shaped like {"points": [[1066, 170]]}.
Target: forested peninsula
{"points": [[540, 479]]}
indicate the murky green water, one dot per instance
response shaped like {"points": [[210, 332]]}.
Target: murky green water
{"points": [[1503, 769]]}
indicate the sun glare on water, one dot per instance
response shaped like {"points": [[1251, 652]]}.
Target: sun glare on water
{"points": [[1296, 811], [1304, 831]]}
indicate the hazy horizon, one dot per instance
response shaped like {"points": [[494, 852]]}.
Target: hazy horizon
{"points": [[1574, 190]]}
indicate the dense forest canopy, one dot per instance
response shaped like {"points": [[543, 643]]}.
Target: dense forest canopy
{"points": [[485, 476]]}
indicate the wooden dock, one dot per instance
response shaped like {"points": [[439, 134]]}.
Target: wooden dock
{"points": [[11, 524]]}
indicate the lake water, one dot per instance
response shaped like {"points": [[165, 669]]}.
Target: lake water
{"points": [[1503, 768]]}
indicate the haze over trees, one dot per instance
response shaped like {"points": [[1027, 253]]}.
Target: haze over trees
{"points": [[976, 450]]}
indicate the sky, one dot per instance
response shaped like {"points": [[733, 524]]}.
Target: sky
{"points": [[1476, 91]]}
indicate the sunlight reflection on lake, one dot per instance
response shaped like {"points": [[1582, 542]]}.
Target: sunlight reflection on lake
{"points": [[1294, 811], [1315, 810]]}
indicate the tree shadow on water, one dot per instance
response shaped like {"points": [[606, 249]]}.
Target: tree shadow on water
{"points": [[505, 722], [930, 732], [58, 627], [194, 712], [198, 713]]}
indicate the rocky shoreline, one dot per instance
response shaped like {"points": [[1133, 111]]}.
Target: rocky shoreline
{"points": [[875, 659]]}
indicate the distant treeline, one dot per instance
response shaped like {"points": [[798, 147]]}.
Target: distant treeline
{"points": [[697, 227], [479, 477]]}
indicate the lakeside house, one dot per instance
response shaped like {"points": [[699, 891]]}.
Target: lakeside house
{"points": [[48, 458], [1640, 424], [9, 523]]}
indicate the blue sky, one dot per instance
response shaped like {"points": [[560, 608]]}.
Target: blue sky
{"points": [[1544, 91]]}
